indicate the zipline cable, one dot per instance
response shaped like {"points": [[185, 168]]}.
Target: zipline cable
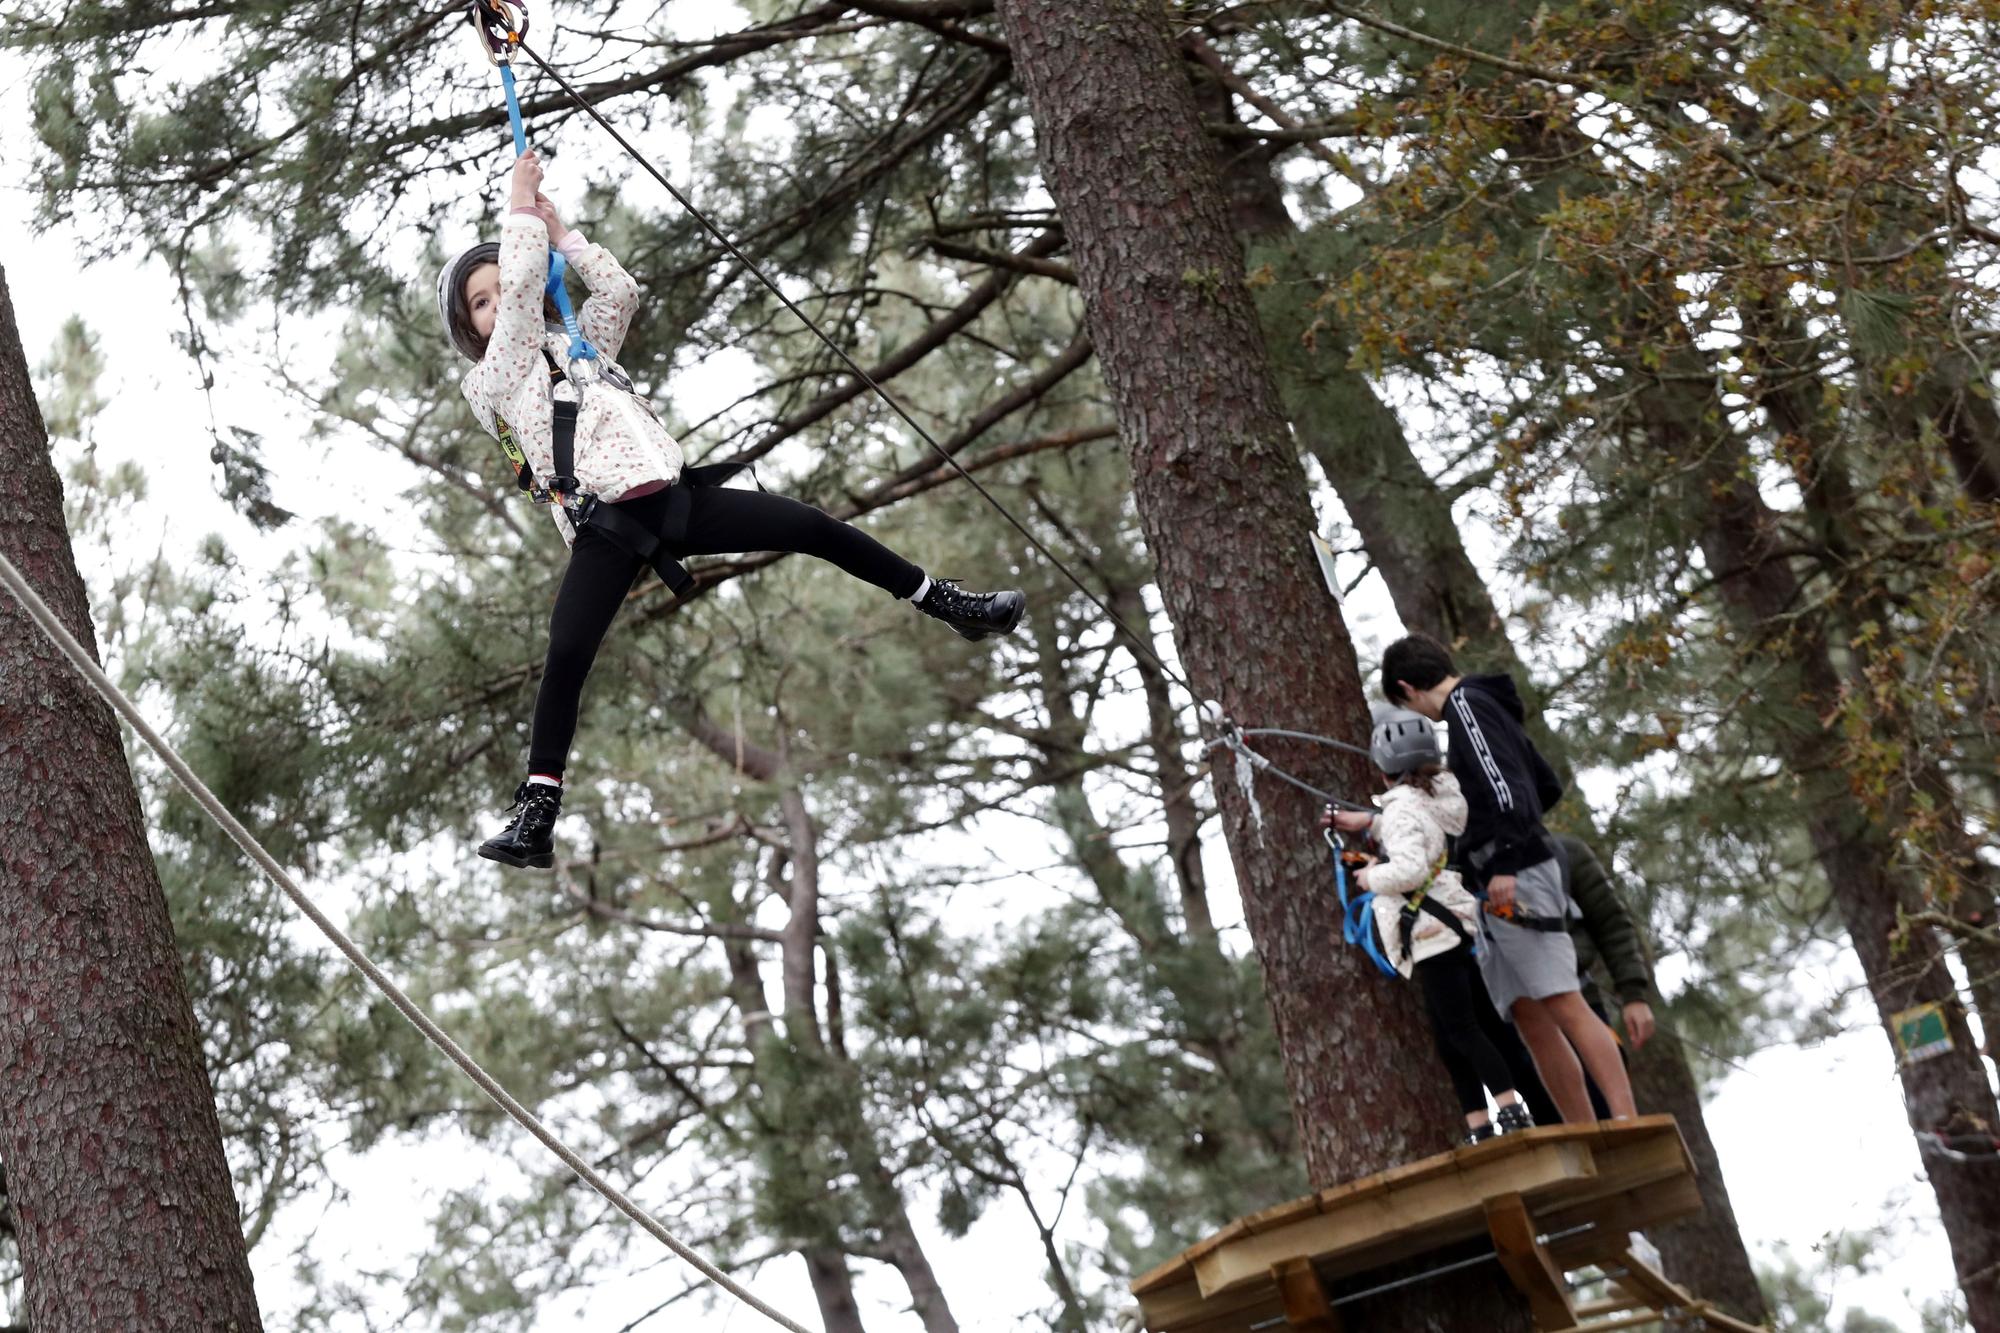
{"points": [[1313, 737], [39, 611], [1232, 738]]}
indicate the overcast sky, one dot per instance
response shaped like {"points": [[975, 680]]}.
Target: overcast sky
{"points": [[1813, 1141]]}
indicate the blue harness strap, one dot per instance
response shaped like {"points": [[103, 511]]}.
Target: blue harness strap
{"points": [[579, 346], [1357, 915], [514, 111]]}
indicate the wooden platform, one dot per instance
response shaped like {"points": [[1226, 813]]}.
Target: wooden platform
{"points": [[1549, 1200]]}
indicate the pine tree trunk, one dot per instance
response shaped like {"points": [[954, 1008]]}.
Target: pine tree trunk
{"points": [[121, 1195], [780, 1071], [1704, 1253], [1741, 541], [833, 1288], [1221, 497]]}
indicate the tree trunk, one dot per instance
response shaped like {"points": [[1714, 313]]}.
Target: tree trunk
{"points": [[906, 1252], [1221, 497], [811, 1056], [1799, 409], [1742, 544], [121, 1195], [1177, 804], [833, 1287], [1704, 1253], [1189, 970]]}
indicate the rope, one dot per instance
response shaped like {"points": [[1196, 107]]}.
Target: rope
{"points": [[1232, 740], [1314, 737], [1953, 1147], [79, 658]]}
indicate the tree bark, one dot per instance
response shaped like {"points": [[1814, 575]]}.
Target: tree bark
{"points": [[883, 1203], [833, 1287], [1704, 1253], [1742, 544], [1221, 498], [1164, 739], [121, 1194]]}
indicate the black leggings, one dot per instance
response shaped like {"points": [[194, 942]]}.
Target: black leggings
{"points": [[1455, 997], [720, 521]]}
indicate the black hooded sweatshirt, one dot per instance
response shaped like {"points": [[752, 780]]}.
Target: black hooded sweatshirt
{"points": [[1507, 783]]}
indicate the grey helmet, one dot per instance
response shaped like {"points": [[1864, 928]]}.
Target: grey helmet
{"points": [[1403, 742], [451, 296]]}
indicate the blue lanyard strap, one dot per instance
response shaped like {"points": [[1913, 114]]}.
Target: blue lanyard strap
{"points": [[579, 346], [1357, 917], [514, 111]]}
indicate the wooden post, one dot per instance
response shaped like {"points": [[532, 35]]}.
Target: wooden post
{"points": [[1527, 1263], [1306, 1303]]}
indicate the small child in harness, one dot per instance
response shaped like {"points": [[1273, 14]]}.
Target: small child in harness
{"points": [[1425, 922], [583, 441]]}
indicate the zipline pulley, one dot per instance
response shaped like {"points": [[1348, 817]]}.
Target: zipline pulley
{"points": [[500, 26]]}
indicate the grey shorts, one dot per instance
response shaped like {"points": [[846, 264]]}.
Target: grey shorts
{"points": [[1518, 963]]}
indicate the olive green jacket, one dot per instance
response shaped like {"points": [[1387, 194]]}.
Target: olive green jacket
{"points": [[1606, 933]]}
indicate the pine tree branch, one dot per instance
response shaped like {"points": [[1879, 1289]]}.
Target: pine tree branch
{"points": [[1038, 386], [937, 335], [1019, 263], [1211, 60], [703, 931], [1473, 54]]}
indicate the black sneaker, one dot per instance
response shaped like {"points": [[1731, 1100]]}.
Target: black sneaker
{"points": [[973, 615], [1480, 1134], [528, 841], [1514, 1117]]}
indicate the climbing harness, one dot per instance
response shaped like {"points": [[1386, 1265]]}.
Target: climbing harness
{"points": [[584, 510], [1357, 924], [500, 27], [87, 667], [1514, 916], [1357, 913]]}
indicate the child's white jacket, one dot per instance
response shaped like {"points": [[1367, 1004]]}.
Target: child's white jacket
{"points": [[1412, 830], [622, 450]]}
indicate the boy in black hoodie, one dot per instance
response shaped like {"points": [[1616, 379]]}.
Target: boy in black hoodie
{"points": [[1526, 956]]}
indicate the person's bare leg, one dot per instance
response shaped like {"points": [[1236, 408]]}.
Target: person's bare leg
{"points": [[1597, 1048], [1554, 1061]]}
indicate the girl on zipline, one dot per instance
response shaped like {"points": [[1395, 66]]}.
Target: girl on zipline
{"points": [[614, 480], [1426, 920]]}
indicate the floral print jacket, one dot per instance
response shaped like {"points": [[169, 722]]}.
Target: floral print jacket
{"points": [[1412, 830], [622, 450]]}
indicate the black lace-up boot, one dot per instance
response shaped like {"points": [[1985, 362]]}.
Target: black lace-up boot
{"points": [[974, 615], [1514, 1117], [528, 841]]}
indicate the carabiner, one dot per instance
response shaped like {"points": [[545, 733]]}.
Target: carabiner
{"points": [[500, 26]]}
